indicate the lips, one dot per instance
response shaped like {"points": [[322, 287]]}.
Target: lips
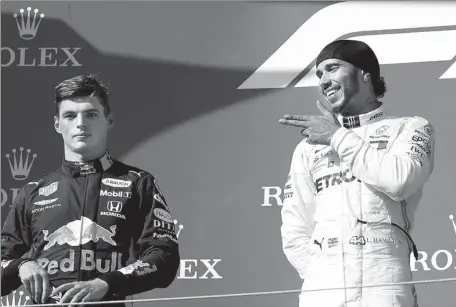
{"points": [[82, 135], [331, 92]]}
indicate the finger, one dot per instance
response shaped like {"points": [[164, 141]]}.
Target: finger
{"points": [[296, 123], [46, 287], [324, 109], [297, 117], [28, 286], [37, 287], [304, 133], [86, 299], [69, 294], [79, 296], [62, 288]]}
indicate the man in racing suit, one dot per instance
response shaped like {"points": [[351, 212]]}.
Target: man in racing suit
{"points": [[94, 228], [353, 187]]}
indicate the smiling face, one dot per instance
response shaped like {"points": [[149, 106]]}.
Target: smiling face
{"points": [[83, 125], [341, 83]]}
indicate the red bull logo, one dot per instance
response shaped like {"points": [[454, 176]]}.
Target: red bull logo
{"points": [[88, 263], [71, 234], [60, 236]]}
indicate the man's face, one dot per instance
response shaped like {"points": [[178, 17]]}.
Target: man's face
{"points": [[83, 125], [339, 83]]}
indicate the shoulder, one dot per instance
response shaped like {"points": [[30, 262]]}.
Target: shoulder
{"points": [[134, 173], [406, 124], [39, 184], [305, 152], [416, 124], [420, 122], [409, 120], [304, 147]]}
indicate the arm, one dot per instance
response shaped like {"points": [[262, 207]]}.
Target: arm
{"points": [[399, 171], [15, 242], [298, 213], [158, 257]]}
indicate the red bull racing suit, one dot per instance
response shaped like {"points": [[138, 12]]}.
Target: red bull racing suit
{"points": [[348, 207], [101, 219]]}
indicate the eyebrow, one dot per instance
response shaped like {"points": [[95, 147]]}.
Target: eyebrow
{"points": [[86, 111], [328, 66]]}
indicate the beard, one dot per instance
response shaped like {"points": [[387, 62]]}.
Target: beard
{"points": [[350, 91]]}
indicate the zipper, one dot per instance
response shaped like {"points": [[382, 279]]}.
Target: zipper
{"points": [[82, 222]]}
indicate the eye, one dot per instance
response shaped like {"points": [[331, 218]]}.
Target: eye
{"points": [[92, 114], [69, 116], [334, 68]]}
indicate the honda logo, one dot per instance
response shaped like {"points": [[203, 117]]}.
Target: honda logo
{"points": [[114, 206]]}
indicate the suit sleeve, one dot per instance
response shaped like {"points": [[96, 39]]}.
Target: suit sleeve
{"points": [[400, 170], [16, 241], [298, 214], [157, 254]]}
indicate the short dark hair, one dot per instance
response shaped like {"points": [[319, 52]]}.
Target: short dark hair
{"points": [[379, 87], [82, 86]]}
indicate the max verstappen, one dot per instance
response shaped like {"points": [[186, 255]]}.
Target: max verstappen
{"points": [[82, 222], [354, 184]]}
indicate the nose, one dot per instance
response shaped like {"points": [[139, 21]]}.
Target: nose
{"points": [[80, 120], [324, 82]]}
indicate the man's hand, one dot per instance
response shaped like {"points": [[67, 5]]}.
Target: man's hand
{"points": [[82, 291], [317, 129], [36, 280]]}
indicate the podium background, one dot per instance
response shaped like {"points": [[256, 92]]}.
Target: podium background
{"points": [[217, 150]]}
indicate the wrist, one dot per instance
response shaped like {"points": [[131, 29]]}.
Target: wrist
{"points": [[337, 137], [21, 263], [102, 282]]}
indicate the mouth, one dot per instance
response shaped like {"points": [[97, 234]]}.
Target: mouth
{"points": [[82, 135], [331, 92]]}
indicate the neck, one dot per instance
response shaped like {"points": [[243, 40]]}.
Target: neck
{"points": [[367, 106], [82, 157]]}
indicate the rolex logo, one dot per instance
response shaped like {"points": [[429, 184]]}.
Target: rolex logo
{"points": [[16, 300], [454, 223], [20, 169], [180, 228], [26, 26]]}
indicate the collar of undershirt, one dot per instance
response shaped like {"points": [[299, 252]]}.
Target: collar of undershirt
{"points": [[362, 119]]}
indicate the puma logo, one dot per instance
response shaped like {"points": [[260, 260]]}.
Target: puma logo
{"points": [[319, 243]]}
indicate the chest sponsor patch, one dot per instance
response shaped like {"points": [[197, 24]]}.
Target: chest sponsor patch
{"points": [[163, 215], [50, 189], [45, 202], [116, 183]]}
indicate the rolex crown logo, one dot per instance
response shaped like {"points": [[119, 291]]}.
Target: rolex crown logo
{"points": [[454, 223], [26, 26], [15, 300], [20, 169], [180, 228]]}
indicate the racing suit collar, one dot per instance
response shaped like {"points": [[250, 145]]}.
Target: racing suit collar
{"points": [[362, 119], [77, 169]]}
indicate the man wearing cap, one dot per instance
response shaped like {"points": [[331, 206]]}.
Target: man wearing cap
{"points": [[354, 184]]}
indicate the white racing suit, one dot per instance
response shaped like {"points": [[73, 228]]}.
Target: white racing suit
{"points": [[348, 207]]}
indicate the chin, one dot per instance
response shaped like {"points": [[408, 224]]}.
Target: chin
{"points": [[80, 148], [338, 106]]}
